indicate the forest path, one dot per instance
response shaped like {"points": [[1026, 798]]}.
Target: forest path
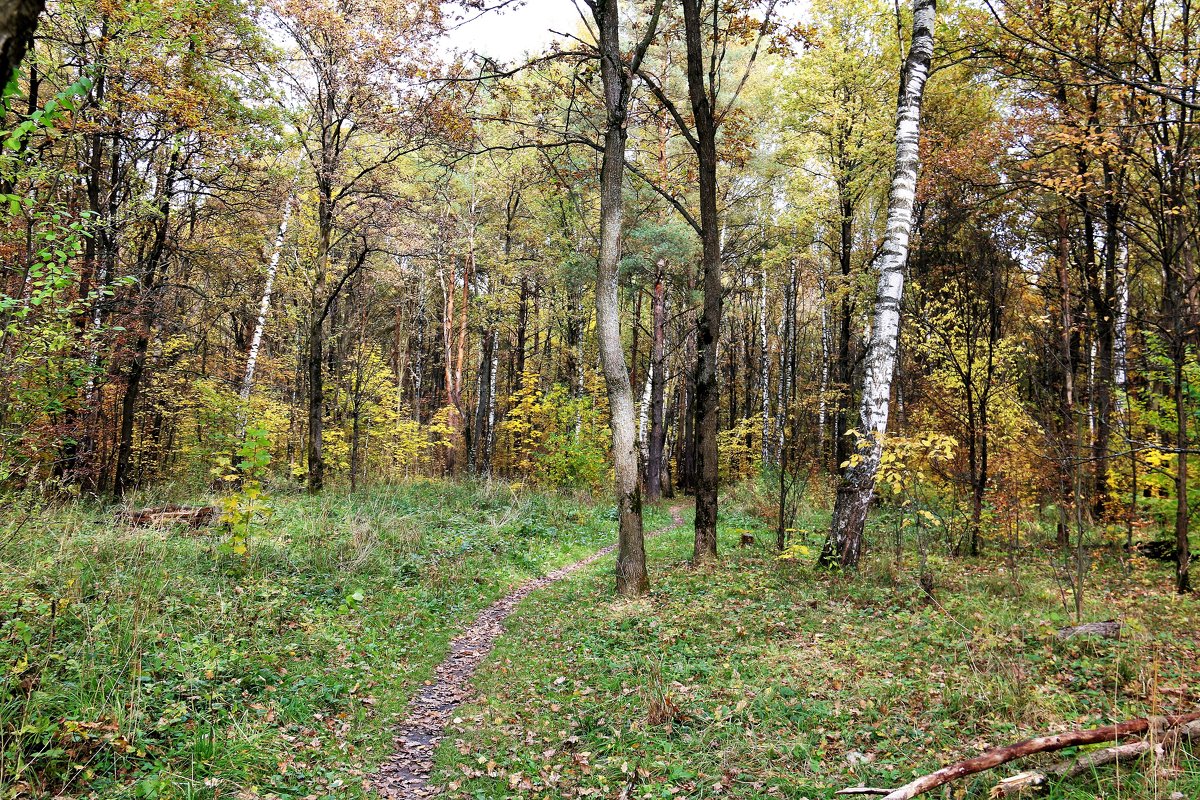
{"points": [[405, 775]]}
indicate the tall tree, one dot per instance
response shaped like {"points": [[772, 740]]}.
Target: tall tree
{"points": [[707, 44], [844, 542], [617, 76]]}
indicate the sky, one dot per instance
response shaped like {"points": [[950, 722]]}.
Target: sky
{"points": [[509, 34]]}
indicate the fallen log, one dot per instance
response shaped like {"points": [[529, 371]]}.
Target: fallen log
{"points": [[1034, 779], [863, 790], [1041, 744], [1157, 550], [192, 516], [1111, 629]]}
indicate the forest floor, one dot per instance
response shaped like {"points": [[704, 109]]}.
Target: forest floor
{"points": [[143, 663]]}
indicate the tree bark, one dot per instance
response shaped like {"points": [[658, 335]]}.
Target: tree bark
{"points": [[316, 405], [658, 384], [264, 305], [18, 21], [708, 397], [764, 368], [137, 367], [844, 543], [632, 578]]}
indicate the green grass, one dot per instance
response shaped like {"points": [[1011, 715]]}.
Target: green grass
{"points": [[756, 678], [146, 663], [142, 662]]}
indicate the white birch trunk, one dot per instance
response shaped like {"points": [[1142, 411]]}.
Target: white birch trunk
{"points": [[491, 437], [764, 367], [854, 494], [264, 305], [1120, 340], [644, 416], [826, 354], [1091, 390]]}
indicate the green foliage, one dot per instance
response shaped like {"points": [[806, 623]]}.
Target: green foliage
{"points": [[247, 508], [789, 683], [133, 664], [553, 439]]}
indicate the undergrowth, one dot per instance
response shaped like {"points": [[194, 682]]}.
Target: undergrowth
{"points": [[155, 663], [760, 678]]}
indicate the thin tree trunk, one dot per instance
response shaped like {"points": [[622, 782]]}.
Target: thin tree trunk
{"points": [[764, 368], [316, 405], [483, 404], [826, 353], [1066, 326], [489, 450], [844, 372], [654, 449], [844, 543], [264, 305]]}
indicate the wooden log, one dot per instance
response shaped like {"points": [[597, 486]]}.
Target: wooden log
{"points": [[1110, 629], [862, 790], [1157, 550], [1034, 779], [1041, 744], [192, 516]]}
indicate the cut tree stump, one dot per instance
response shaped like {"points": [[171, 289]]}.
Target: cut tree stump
{"points": [[191, 516], [747, 539], [1110, 629]]}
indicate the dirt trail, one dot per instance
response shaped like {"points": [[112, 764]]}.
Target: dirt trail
{"points": [[405, 775]]}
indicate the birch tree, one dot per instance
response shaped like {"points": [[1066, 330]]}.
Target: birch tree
{"points": [[854, 492]]}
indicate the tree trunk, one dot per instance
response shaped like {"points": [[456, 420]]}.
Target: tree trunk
{"points": [[483, 405], [764, 368], [1183, 581], [708, 397], [137, 367], [316, 406], [826, 352], [658, 384], [1066, 329], [18, 20], [264, 305], [844, 372], [854, 494], [632, 579]]}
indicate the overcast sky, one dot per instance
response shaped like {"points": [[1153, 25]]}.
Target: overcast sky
{"points": [[510, 34]]}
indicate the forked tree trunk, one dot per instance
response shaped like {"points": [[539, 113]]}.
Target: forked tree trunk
{"points": [[632, 578], [854, 494]]}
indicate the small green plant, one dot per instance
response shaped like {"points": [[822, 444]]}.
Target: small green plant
{"points": [[247, 507]]}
